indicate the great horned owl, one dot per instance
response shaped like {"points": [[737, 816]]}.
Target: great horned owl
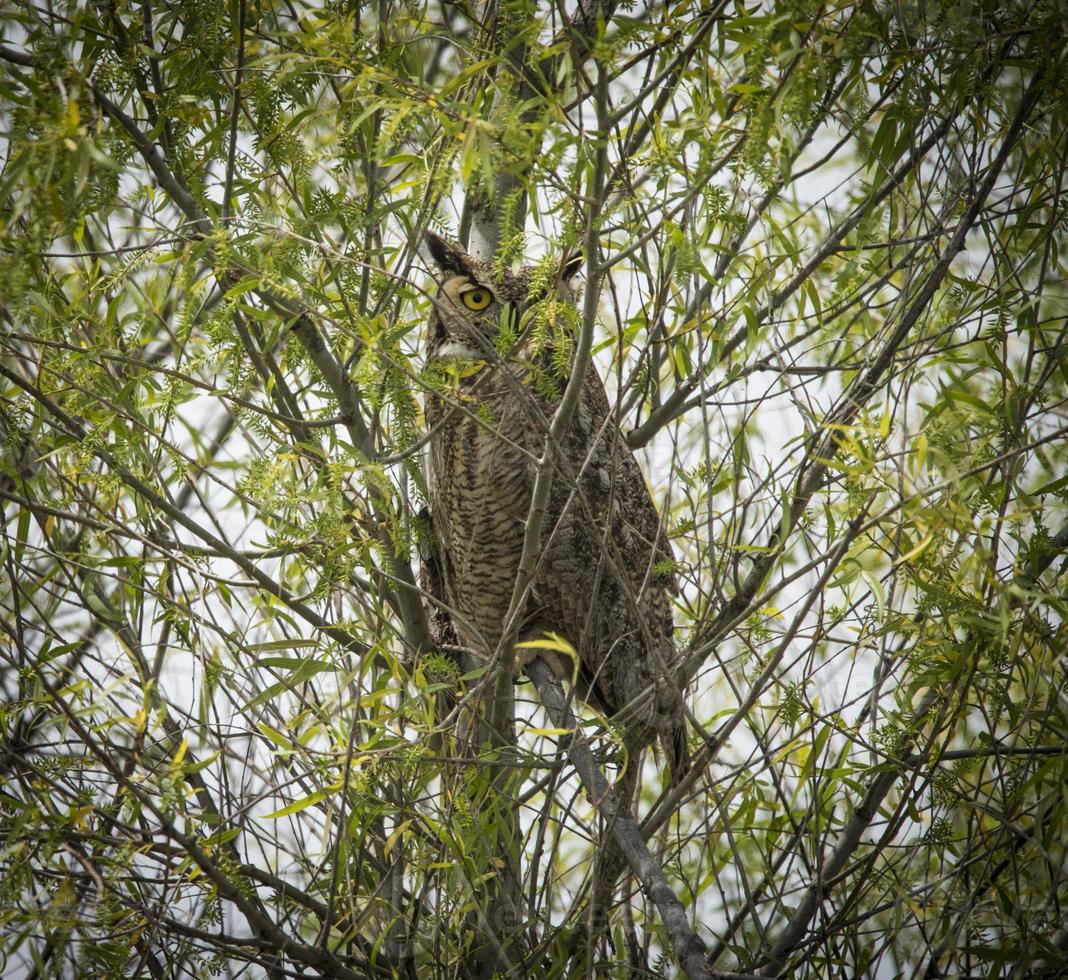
{"points": [[605, 577]]}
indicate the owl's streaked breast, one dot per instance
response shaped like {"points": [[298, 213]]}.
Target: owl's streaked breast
{"points": [[480, 483]]}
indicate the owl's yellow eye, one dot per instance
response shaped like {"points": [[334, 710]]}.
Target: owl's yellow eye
{"points": [[477, 298]]}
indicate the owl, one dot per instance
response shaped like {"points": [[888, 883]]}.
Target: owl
{"points": [[605, 576]]}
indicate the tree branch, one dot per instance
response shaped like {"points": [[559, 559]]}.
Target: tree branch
{"points": [[416, 629], [824, 446], [75, 428], [688, 946], [676, 403], [849, 840]]}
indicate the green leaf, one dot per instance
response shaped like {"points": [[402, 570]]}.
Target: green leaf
{"points": [[317, 797]]}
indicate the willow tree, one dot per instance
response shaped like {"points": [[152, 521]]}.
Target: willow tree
{"points": [[828, 249]]}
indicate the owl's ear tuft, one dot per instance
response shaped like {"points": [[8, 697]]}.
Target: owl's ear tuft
{"points": [[448, 255], [572, 263]]}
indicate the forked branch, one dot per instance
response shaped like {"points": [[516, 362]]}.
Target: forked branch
{"points": [[688, 946]]}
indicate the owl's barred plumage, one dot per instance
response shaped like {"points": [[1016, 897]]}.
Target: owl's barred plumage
{"points": [[605, 579]]}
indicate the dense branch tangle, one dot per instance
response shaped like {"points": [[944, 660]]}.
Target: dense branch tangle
{"points": [[825, 284]]}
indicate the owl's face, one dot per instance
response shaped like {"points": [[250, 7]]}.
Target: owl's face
{"points": [[471, 301]]}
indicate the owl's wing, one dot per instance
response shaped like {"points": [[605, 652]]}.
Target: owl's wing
{"points": [[606, 578]]}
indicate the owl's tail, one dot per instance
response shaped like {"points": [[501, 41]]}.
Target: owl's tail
{"points": [[677, 751], [669, 726]]}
